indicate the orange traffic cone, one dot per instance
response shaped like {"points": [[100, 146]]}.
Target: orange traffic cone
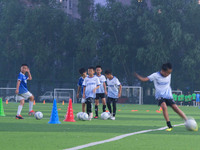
{"points": [[69, 116], [63, 103], [43, 101], [160, 109], [6, 101], [34, 102]]}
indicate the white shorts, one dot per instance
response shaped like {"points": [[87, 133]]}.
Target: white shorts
{"points": [[83, 100], [24, 96]]}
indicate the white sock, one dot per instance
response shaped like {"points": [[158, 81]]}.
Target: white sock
{"points": [[19, 110], [30, 106]]}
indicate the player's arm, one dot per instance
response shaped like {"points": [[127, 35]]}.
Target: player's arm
{"points": [[29, 74], [120, 91], [17, 87], [105, 89], [78, 91], [94, 90], [84, 91], [143, 79]]}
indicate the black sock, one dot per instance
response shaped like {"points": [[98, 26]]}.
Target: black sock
{"points": [[109, 107], [114, 108], [96, 110], [89, 108], [104, 108], [169, 124]]}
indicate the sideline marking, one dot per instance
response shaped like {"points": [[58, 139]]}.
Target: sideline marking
{"points": [[118, 138]]}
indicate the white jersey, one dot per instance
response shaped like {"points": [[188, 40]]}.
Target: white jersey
{"points": [[90, 84], [162, 85], [102, 79], [113, 86]]}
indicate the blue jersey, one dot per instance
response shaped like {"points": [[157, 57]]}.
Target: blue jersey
{"points": [[23, 84], [197, 96], [80, 83]]}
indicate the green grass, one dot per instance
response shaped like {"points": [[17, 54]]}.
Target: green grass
{"points": [[32, 134]]}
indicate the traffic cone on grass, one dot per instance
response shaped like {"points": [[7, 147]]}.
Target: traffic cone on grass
{"points": [[63, 103], [69, 116], [6, 101], [1, 108], [43, 101], [54, 119], [34, 102]]}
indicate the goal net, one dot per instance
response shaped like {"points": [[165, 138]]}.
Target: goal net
{"points": [[177, 92], [131, 95], [61, 94], [8, 94]]}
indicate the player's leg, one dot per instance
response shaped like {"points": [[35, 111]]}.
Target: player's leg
{"points": [[18, 116], [178, 111], [104, 104], [114, 101], [31, 100], [96, 108], [89, 107], [165, 114], [109, 105], [83, 101]]}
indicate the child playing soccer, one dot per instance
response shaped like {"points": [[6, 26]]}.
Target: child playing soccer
{"points": [[22, 91], [114, 92], [91, 84], [163, 94], [83, 74], [101, 92]]}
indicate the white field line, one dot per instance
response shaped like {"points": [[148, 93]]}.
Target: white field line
{"points": [[118, 138]]}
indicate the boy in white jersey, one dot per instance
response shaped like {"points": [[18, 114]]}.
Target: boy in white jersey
{"points": [[22, 91], [101, 91], [83, 74], [162, 81], [91, 83], [114, 92]]}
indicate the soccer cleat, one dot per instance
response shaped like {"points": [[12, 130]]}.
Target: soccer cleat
{"points": [[96, 117], [169, 129], [19, 117], [112, 118], [32, 112]]}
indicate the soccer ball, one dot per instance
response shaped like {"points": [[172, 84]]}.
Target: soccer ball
{"points": [[38, 115], [79, 115], [105, 115], [191, 125], [84, 116]]}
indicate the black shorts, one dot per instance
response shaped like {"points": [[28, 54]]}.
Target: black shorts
{"points": [[169, 102], [99, 95], [89, 100], [109, 100]]}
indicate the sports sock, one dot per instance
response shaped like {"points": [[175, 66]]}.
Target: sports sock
{"points": [[19, 110], [169, 124], [96, 110], [114, 108], [109, 107], [89, 108], [104, 108], [30, 105]]}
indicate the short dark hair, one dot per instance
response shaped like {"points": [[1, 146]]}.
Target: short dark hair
{"points": [[166, 66], [107, 72], [91, 67], [82, 70], [98, 66], [24, 65]]}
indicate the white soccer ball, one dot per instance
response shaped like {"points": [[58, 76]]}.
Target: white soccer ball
{"points": [[38, 115], [84, 116], [105, 116], [79, 115], [191, 125]]}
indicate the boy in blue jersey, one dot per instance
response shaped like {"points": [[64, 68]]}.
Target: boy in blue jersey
{"points": [[83, 74], [22, 91], [101, 92], [114, 92], [197, 99], [91, 83], [163, 94]]}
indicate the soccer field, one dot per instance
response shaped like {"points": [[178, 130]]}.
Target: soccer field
{"points": [[32, 134]]}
